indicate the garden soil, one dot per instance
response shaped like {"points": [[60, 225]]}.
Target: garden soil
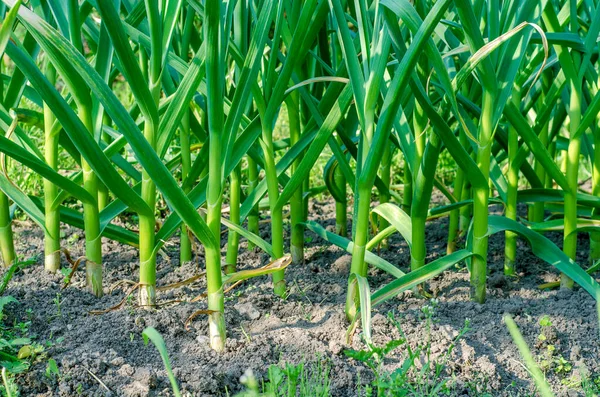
{"points": [[101, 355]]}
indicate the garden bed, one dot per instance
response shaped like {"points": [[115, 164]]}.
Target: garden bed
{"points": [[97, 353]]}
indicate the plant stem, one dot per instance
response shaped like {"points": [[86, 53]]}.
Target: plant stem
{"points": [[91, 217], [386, 177], [216, 303], [510, 246], [341, 207], [418, 249], [214, 191], [235, 185], [480, 201], [147, 225], [465, 211], [537, 210], [407, 192], [361, 235], [93, 240], [7, 246], [52, 215], [453, 221], [252, 184], [185, 243], [573, 151], [103, 197], [296, 202], [103, 194], [276, 214], [418, 218], [234, 217]]}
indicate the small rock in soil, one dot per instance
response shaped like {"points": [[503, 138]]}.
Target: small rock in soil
{"points": [[202, 339], [136, 389], [145, 376], [248, 310], [341, 265]]}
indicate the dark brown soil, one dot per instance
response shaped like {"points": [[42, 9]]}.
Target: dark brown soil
{"points": [[309, 325]]}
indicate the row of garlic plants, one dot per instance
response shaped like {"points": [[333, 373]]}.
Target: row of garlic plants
{"points": [[507, 89]]}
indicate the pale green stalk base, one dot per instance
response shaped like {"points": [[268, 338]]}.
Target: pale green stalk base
{"points": [[297, 254], [216, 301], [52, 249], [358, 265], [94, 278], [230, 268], [451, 247], [147, 296], [93, 241], [52, 235], [216, 321], [91, 216], [52, 260], [279, 287], [352, 301], [7, 246], [52, 215], [216, 304], [509, 264], [93, 249]]}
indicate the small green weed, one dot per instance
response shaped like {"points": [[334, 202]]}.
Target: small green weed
{"points": [[302, 380], [550, 359], [431, 379]]}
